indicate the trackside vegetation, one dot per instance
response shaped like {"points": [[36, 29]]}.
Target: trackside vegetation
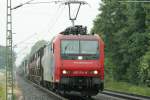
{"points": [[125, 28], [2, 86], [126, 87], [2, 92]]}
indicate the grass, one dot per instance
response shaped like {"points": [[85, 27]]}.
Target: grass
{"points": [[2, 87], [128, 88], [2, 92]]}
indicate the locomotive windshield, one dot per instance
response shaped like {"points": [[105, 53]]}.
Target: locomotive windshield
{"points": [[71, 49]]}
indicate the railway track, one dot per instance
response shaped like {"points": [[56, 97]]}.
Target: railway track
{"points": [[123, 95], [58, 96], [52, 94], [110, 93]]}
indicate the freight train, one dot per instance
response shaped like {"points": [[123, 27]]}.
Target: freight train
{"points": [[72, 61]]}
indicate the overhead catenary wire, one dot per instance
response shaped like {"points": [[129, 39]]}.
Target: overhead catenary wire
{"points": [[31, 2], [31, 36], [56, 18], [44, 2], [58, 1], [55, 21], [22, 4], [26, 39], [22, 50]]}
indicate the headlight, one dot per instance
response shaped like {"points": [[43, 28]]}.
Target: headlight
{"points": [[64, 72], [95, 72]]}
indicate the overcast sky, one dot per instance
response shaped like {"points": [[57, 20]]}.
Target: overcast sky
{"points": [[41, 21]]}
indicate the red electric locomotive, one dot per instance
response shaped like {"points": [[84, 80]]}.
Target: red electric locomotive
{"points": [[73, 61]]}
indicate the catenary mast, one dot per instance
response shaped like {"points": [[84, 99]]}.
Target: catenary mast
{"points": [[9, 54]]}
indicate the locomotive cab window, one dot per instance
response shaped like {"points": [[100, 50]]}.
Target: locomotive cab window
{"points": [[71, 49]]}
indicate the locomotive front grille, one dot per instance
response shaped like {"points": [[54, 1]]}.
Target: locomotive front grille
{"points": [[78, 83]]}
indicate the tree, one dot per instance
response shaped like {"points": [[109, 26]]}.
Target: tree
{"points": [[124, 28], [144, 73], [111, 18]]}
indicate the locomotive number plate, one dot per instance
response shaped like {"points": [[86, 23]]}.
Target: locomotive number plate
{"points": [[79, 72]]}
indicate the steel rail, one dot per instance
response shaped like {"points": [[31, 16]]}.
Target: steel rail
{"points": [[124, 95], [58, 97]]}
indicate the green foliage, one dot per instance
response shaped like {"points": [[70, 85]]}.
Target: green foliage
{"points": [[108, 69], [145, 69], [125, 29]]}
